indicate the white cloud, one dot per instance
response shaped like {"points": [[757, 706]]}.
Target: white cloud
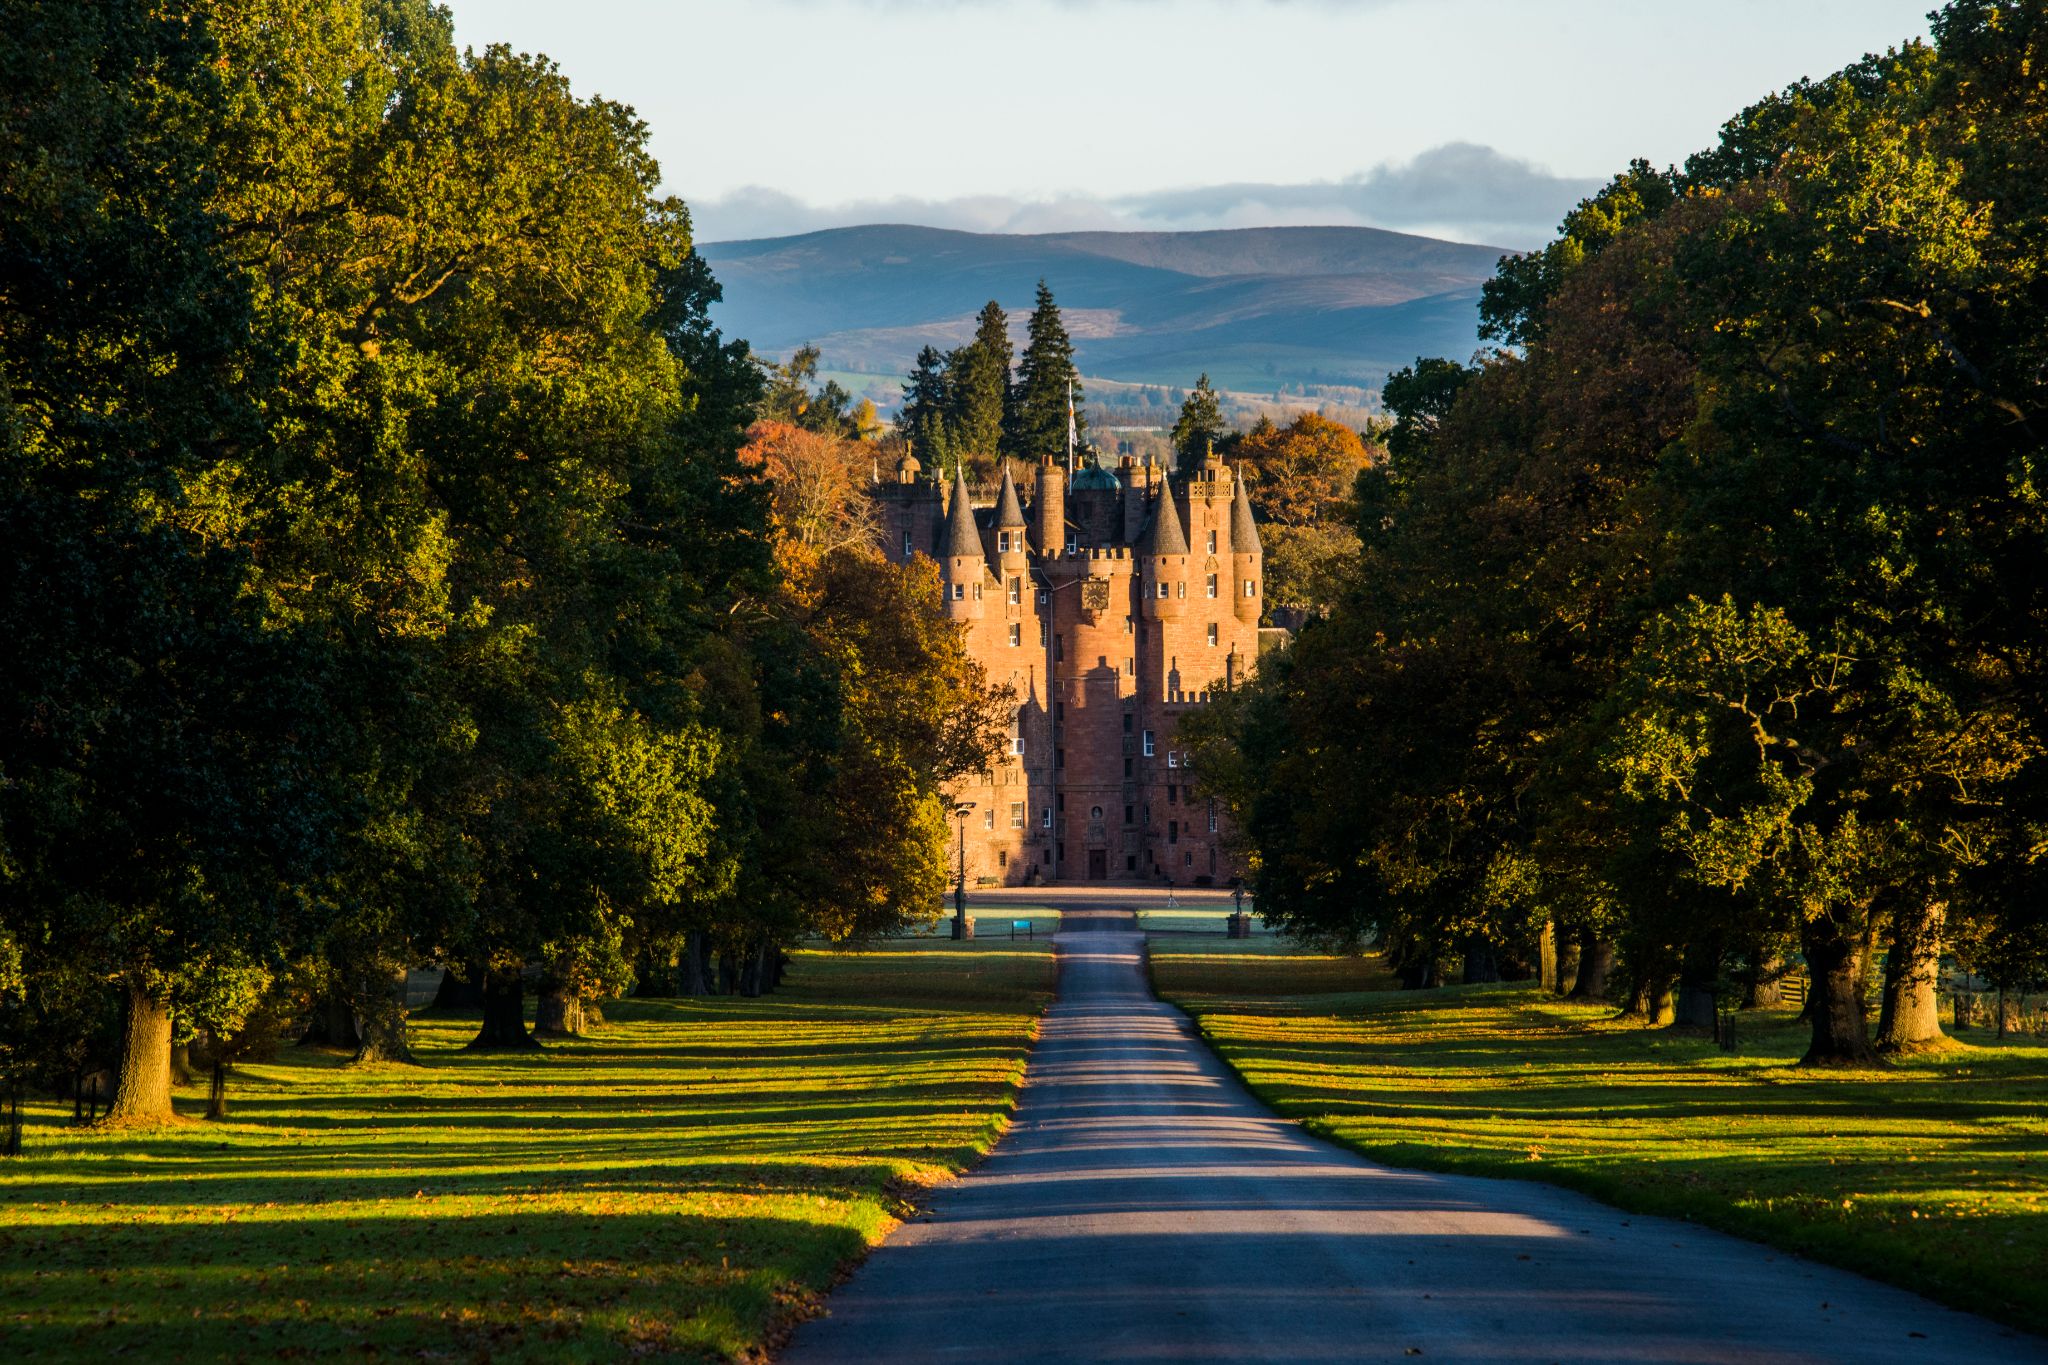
{"points": [[1461, 191]]}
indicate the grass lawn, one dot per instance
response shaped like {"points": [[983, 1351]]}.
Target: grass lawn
{"points": [[682, 1184], [1931, 1173]]}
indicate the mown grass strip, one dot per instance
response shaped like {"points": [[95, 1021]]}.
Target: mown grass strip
{"points": [[1931, 1173], [682, 1184]]}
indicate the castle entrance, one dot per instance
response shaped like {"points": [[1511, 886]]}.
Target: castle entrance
{"points": [[1098, 864]]}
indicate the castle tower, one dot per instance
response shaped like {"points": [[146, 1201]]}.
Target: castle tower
{"points": [[1245, 553], [1162, 555], [1012, 554], [962, 559], [1049, 504]]}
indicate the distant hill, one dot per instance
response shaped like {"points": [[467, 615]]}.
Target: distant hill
{"points": [[1260, 309]]}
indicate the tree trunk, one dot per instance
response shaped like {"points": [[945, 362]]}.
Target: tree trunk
{"points": [[333, 1023], [1834, 998], [1697, 1007], [10, 1140], [461, 991], [728, 972], [504, 1022], [1567, 964], [1763, 985], [217, 1092], [1909, 1018], [557, 1013], [142, 1092], [693, 972], [778, 967], [750, 972], [181, 1063], [1546, 956], [1596, 968], [384, 1019], [1651, 1000]]}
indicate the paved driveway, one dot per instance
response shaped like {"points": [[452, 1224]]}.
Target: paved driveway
{"points": [[1145, 1207]]}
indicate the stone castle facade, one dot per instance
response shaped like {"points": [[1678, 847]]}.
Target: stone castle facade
{"points": [[1121, 601]]}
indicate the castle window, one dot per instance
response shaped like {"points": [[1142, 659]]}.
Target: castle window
{"points": [[1016, 815], [1045, 818], [1127, 767], [1251, 589], [1127, 625], [1043, 596], [1062, 800], [1017, 635], [1172, 794], [1212, 817], [1131, 862], [1017, 590], [977, 592], [1059, 758], [1095, 812], [1173, 831], [1130, 668], [1048, 857], [1073, 543], [1212, 542], [1002, 857], [1059, 648], [1148, 744], [1130, 815], [988, 818], [959, 591], [906, 545], [1172, 758], [1187, 860], [1044, 634], [1183, 590], [1128, 718], [1212, 585], [1162, 590], [1212, 633]]}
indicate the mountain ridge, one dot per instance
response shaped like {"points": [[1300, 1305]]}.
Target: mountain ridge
{"points": [[1277, 308]]}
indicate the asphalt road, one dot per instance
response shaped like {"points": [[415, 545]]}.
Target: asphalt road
{"points": [[1145, 1207]]}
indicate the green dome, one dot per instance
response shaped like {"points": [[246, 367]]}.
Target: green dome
{"points": [[1093, 476]]}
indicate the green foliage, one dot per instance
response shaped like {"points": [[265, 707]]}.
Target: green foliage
{"points": [[1048, 386], [1707, 622], [978, 386], [1199, 426]]}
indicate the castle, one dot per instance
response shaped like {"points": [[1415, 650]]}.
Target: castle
{"points": [[1112, 609]]}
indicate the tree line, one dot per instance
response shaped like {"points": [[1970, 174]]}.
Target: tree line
{"points": [[387, 574], [981, 402], [1698, 627]]}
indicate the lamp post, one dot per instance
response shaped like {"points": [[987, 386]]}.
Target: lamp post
{"points": [[963, 927]]}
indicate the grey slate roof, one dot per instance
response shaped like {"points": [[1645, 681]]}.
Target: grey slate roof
{"points": [[1163, 534], [962, 536], [1244, 532], [1009, 512]]}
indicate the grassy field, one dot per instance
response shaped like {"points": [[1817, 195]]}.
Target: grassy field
{"points": [[682, 1184], [1932, 1173]]}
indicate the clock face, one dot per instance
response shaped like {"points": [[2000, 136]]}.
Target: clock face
{"points": [[1095, 594]]}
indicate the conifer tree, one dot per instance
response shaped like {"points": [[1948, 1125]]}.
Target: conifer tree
{"points": [[1039, 426], [926, 399], [979, 377], [1201, 422]]}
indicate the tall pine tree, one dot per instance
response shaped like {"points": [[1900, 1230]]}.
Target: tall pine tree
{"points": [[979, 375], [926, 399], [1039, 426], [1201, 422]]}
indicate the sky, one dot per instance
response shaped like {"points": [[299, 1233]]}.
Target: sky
{"points": [[1473, 120]]}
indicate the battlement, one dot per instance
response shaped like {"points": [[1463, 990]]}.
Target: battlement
{"points": [[1176, 697], [1096, 552]]}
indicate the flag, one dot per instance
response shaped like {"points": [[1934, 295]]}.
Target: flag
{"points": [[1073, 436]]}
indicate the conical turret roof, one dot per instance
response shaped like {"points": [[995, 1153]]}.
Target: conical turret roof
{"points": [[962, 537], [1009, 512], [1244, 532], [1163, 534]]}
